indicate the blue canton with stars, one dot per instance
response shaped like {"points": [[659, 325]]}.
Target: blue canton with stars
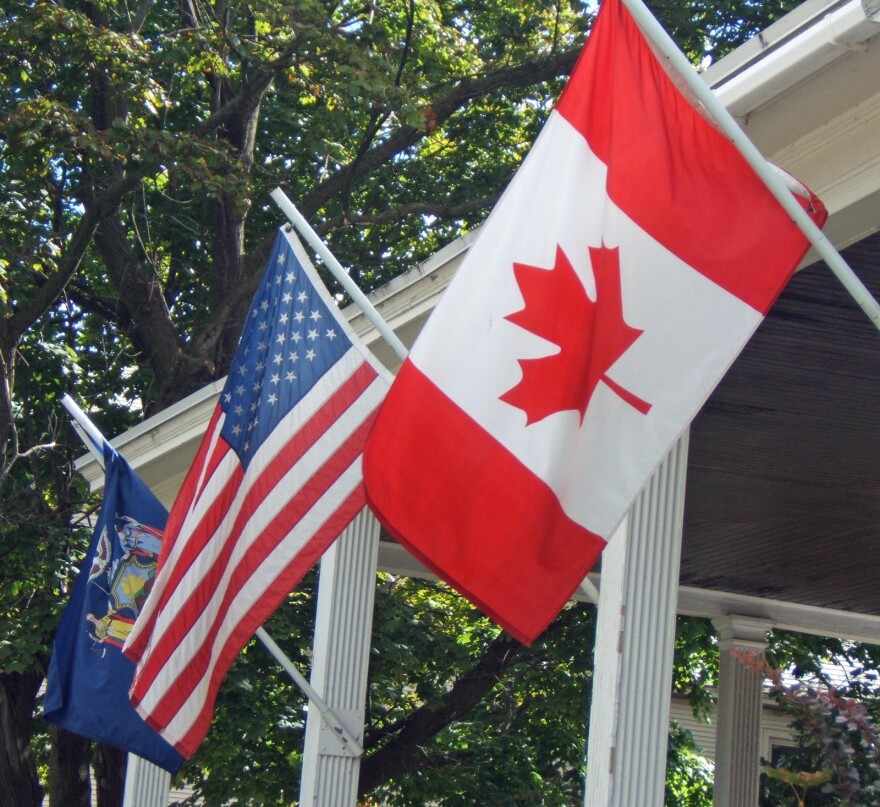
{"points": [[290, 340]]}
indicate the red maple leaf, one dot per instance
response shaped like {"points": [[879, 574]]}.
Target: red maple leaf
{"points": [[591, 336]]}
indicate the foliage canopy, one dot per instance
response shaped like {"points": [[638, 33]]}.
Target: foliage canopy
{"points": [[138, 145]]}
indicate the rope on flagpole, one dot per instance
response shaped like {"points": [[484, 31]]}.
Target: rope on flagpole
{"points": [[94, 441], [728, 125], [338, 271]]}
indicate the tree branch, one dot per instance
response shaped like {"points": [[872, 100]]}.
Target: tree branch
{"points": [[403, 751], [526, 74], [534, 71], [390, 214], [377, 118], [406, 749], [247, 98], [140, 293], [34, 306]]}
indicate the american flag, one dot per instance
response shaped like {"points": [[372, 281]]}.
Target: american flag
{"points": [[276, 479]]}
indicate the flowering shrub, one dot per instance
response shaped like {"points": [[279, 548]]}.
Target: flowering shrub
{"points": [[838, 738]]}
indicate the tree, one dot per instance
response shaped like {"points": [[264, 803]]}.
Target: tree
{"points": [[138, 144]]}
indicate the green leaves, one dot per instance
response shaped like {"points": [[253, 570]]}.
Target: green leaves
{"points": [[689, 775], [521, 744], [138, 146]]}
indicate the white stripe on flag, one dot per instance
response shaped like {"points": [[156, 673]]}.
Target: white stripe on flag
{"points": [[195, 701], [281, 493], [311, 403]]}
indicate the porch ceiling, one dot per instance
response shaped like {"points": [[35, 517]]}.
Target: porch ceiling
{"points": [[783, 492]]}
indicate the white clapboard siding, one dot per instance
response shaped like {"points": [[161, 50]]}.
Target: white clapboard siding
{"points": [[775, 729]]}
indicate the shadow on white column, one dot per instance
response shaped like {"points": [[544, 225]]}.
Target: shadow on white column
{"points": [[635, 636], [340, 660], [738, 715]]}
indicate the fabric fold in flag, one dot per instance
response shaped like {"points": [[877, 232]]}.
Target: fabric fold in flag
{"points": [[88, 679], [624, 268], [276, 479]]}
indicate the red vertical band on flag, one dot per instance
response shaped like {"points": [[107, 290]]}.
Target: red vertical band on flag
{"points": [[530, 555], [201, 467], [672, 171]]}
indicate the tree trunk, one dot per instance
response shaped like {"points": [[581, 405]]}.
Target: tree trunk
{"points": [[229, 222], [110, 765], [140, 292], [19, 784], [240, 132], [69, 782]]}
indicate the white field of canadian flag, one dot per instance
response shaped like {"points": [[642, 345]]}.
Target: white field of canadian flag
{"points": [[629, 261]]}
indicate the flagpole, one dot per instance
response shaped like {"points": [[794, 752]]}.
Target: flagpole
{"points": [[94, 440], [728, 125], [338, 271], [346, 739], [344, 613], [87, 431]]}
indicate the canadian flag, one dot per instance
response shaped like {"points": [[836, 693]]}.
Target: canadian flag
{"points": [[631, 258]]}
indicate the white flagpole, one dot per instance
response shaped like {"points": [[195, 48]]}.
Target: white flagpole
{"points": [[87, 431], [338, 271], [347, 741], [725, 121], [95, 441]]}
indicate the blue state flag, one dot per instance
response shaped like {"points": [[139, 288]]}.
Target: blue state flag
{"points": [[89, 678]]}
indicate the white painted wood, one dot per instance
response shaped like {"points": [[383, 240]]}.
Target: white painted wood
{"points": [[702, 730], [607, 663], [740, 702], [146, 784], [340, 659], [702, 602], [775, 727], [629, 717], [835, 30]]}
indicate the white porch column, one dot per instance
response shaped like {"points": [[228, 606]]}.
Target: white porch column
{"points": [[146, 784], [341, 650], [738, 716], [635, 635]]}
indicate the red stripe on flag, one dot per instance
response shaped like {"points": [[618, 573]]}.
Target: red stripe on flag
{"points": [[205, 532], [264, 608], [188, 489], [176, 518], [271, 536], [530, 556], [196, 537], [192, 542], [218, 454], [672, 171]]}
